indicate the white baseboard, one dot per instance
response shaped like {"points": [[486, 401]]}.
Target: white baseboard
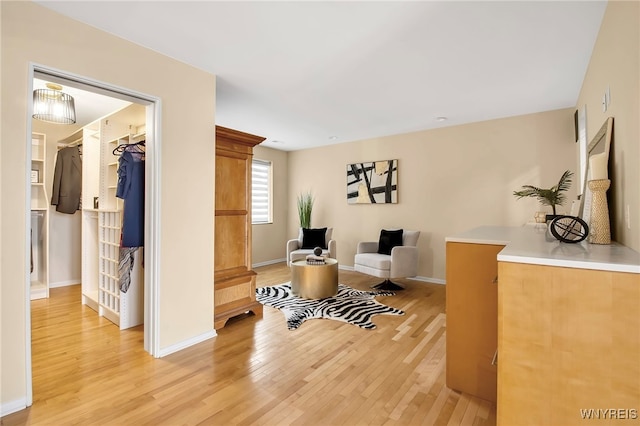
{"points": [[418, 278], [65, 283], [13, 406], [187, 343], [268, 262], [429, 280]]}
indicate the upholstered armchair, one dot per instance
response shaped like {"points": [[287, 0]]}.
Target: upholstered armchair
{"points": [[307, 240], [394, 255]]}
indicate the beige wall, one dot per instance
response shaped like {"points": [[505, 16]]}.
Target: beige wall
{"points": [[269, 239], [16, 390], [450, 179], [615, 63], [187, 155]]}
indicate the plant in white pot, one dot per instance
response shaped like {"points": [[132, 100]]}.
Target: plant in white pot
{"points": [[305, 206], [553, 196]]}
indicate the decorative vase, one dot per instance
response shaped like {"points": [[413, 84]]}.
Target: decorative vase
{"points": [[600, 230], [540, 217]]}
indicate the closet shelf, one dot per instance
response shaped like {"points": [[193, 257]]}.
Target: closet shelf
{"points": [[109, 243], [108, 275], [112, 293], [120, 139]]}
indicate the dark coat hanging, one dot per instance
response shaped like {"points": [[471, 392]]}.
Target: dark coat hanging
{"points": [[67, 181]]}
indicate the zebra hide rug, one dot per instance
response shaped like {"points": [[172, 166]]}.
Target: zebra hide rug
{"points": [[349, 305]]}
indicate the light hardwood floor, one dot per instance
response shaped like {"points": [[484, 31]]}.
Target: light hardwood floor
{"points": [[256, 371]]}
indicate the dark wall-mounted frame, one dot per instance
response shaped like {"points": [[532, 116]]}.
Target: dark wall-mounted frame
{"points": [[601, 143]]}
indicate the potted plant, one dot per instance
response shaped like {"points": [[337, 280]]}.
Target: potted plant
{"points": [[305, 205], [548, 197]]}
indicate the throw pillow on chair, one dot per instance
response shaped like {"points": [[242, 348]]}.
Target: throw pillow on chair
{"points": [[314, 237], [388, 240]]}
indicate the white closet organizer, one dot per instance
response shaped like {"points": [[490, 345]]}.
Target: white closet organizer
{"points": [[124, 309], [102, 220], [39, 219]]}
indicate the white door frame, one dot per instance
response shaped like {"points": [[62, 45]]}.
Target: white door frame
{"points": [[152, 204]]}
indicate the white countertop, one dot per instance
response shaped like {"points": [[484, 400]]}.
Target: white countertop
{"points": [[498, 235], [532, 244]]}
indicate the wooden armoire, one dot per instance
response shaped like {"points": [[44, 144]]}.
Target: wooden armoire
{"points": [[234, 281]]}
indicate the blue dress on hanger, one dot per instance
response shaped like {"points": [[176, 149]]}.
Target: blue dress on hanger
{"points": [[131, 190]]}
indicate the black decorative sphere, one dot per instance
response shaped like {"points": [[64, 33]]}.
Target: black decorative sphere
{"points": [[569, 229], [317, 251]]}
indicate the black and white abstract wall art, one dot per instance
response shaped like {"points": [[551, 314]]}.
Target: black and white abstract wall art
{"points": [[374, 182]]}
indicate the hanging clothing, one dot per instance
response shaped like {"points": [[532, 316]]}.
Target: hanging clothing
{"points": [[131, 189], [67, 181], [125, 266]]}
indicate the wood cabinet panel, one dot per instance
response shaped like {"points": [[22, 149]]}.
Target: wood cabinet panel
{"points": [[231, 243], [231, 183], [235, 296], [472, 315], [234, 281], [569, 340]]}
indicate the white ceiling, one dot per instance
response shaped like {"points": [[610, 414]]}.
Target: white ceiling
{"points": [[89, 106], [314, 73]]}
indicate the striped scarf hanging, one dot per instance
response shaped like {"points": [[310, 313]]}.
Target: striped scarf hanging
{"points": [[125, 266]]}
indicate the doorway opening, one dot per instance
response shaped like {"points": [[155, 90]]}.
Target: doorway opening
{"points": [[100, 211]]}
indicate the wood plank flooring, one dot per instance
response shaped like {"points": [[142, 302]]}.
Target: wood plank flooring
{"points": [[256, 371]]}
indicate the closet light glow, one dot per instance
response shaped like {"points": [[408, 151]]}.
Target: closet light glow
{"points": [[53, 105]]}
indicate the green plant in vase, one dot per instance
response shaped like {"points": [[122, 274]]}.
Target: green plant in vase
{"points": [[553, 196], [305, 205]]}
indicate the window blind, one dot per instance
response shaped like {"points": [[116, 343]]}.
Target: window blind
{"points": [[260, 191]]}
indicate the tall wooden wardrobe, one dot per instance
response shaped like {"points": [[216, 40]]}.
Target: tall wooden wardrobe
{"points": [[234, 281]]}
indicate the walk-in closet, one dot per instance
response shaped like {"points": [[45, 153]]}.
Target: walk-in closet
{"points": [[87, 207]]}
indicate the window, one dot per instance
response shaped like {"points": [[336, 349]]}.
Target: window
{"points": [[261, 191]]}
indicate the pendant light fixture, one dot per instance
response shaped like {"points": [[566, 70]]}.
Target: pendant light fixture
{"points": [[54, 106]]}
